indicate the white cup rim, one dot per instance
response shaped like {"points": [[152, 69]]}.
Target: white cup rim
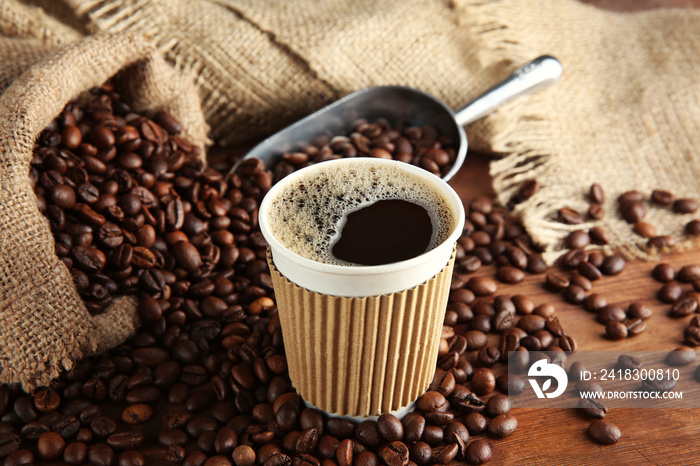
{"points": [[362, 270]]}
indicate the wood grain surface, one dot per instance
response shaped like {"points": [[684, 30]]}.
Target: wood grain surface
{"points": [[559, 436]]}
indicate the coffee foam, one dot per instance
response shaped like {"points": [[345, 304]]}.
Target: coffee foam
{"points": [[307, 216]]}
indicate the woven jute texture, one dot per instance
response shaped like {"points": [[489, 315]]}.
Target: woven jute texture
{"points": [[263, 65], [44, 325], [624, 115]]}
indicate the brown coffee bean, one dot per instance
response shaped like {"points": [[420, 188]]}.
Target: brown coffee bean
{"points": [[616, 330], [244, 455], [683, 307], [482, 286], [645, 229], [632, 211], [531, 323], [613, 265], [604, 432], [685, 206], [345, 452], [691, 336], [509, 274], [639, 310], [598, 235], [662, 197], [569, 215], [689, 273], [664, 273], [597, 194], [681, 356], [593, 408], [50, 445], [693, 227], [502, 425], [125, 440], [395, 454], [556, 281], [478, 452], [421, 453], [483, 381], [577, 239]]}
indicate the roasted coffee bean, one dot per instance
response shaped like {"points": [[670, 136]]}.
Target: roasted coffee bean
{"points": [[509, 274], [9, 442], [488, 356], [131, 458], [125, 440], [556, 281], [664, 273], [569, 216], [632, 211], [635, 326], [478, 452], [670, 292], [689, 273], [577, 239], [483, 381], [615, 330], [685, 206], [597, 194], [604, 432], [482, 286], [693, 227], [395, 454], [682, 307], [75, 453], [593, 408], [639, 310], [611, 313], [613, 265], [413, 426], [244, 455], [502, 425], [691, 336], [532, 323], [498, 404], [431, 401], [681, 356], [445, 454], [50, 445], [662, 197], [100, 454], [421, 453], [344, 453]]}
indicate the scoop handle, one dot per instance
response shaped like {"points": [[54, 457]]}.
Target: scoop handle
{"points": [[536, 74]]}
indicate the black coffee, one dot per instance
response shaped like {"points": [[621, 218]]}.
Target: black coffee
{"points": [[387, 231], [360, 213]]}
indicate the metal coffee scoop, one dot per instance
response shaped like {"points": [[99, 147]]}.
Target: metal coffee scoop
{"points": [[405, 105]]}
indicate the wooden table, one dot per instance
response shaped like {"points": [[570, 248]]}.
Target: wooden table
{"points": [[558, 436]]}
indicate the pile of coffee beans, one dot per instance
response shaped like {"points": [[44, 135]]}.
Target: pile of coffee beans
{"points": [[204, 381], [133, 208], [423, 146]]}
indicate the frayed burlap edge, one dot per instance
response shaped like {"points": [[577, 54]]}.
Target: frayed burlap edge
{"points": [[522, 138]]}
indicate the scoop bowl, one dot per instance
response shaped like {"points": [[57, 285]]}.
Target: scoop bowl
{"points": [[405, 105]]}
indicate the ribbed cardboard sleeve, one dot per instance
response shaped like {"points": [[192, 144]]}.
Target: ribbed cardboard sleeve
{"points": [[362, 356]]}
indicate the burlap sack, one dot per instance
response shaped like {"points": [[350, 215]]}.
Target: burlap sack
{"points": [[263, 65], [623, 115], [44, 325]]}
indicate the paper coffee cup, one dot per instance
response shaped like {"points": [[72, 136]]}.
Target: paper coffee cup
{"points": [[361, 341]]}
